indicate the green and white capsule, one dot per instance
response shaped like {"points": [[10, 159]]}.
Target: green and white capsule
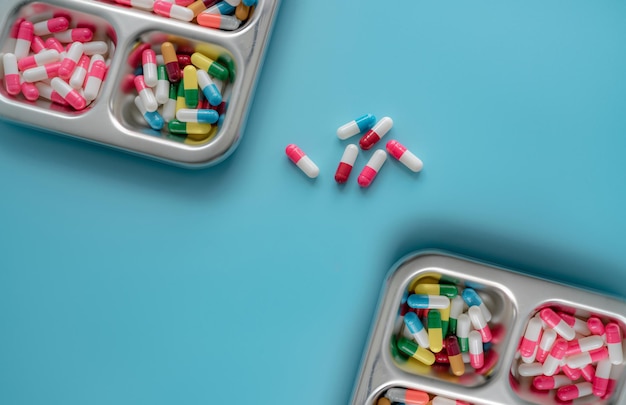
{"points": [[163, 85], [169, 108]]}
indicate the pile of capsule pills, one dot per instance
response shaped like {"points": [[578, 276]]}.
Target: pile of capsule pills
{"points": [[574, 357], [179, 84], [449, 326], [225, 15], [399, 396], [55, 60], [372, 131]]}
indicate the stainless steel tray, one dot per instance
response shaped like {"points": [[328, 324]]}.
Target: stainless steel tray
{"points": [[107, 121], [513, 298]]}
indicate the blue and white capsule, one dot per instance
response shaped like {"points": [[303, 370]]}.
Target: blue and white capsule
{"points": [[222, 8], [417, 330], [191, 115], [355, 127], [423, 301], [471, 298], [153, 118], [209, 88]]}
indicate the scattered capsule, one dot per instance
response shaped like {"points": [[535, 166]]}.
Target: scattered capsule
{"points": [[406, 396], [374, 135], [571, 373], [454, 356], [53, 43], [357, 126], [346, 163], [148, 62], [11, 74], [545, 345], [134, 57], [588, 372], [574, 391], [207, 64], [169, 108], [471, 297], [41, 72], [456, 309], [68, 64], [51, 26], [24, 37], [30, 91], [95, 77], [371, 169], [383, 401], [530, 340], [80, 72], [545, 383], [401, 153], [209, 88], [435, 333], [595, 325], [146, 94], [190, 83], [72, 96], [479, 323], [172, 10], [601, 378], [163, 86], [249, 2], [557, 323], [301, 160], [413, 350], [171, 62], [417, 329], [476, 351], [614, 343], [242, 12], [197, 7], [153, 118], [223, 22], [74, 35], [427, 301], [462, 332], [39, 59]]}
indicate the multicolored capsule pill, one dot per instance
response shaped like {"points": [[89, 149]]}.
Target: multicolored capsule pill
{"points": [[223, 22], [447, 290], [190, 84], [454, 356], [153, 118], [412, 349], [435, 333], [407, 396], [171, 62], [209, 88], [417, 330], [207, 64]]}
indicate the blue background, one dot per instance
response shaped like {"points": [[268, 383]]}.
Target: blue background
{"points": [[131, 282]]}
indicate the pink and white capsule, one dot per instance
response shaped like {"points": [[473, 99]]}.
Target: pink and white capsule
{"points": [[595, 325], [37, 44], [530, 340], [30, 92], [371, 169], [42, 58], [553, 361], [545, 345], [53, 43], [56, 24], [47, 92], [557, 323], [72, 96], [143, 4], [148, 61], [588, 372], [571, 373], [578, 325], [146, 94], [78, 77], [549, 383], [477, 356], [400, 152], [601, 379], [95, 47], [94, 80], [301, 160], [574, 391], [479, 323], [68, 64], [75, 35], [11, 74], [614, 343], [24, 38], [172, 10], [582, 359], [584, 345], [530, 369]]}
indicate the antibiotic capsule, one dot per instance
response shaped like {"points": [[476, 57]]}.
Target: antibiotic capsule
{"points": [[371, 169], [346, 163], [357, 126], [374, 135], [405, 156], [301, 160]]}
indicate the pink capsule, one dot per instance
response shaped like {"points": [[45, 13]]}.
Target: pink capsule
{"points": [[584, 345], [346, 163], [588, 372], [571, 373], [595, 325], [601, 379], [582, 359], [578, 325], [545, 383], [72, 96], [545, 345], [184, 3], [78, 77], [134, 57], [614, 343], [63, 13], [75, 35], [94, 80], [30, 91], [304, 163], [172, 10], [554, 358], [11, 74], [47, 92], [24, 38], [37, 44], [39, 59], [53, 43], [479, 323], [50, 26], [371, 169], [146, 94], [41, 72], [574, 391], [530, 340], [400, 152], [557, 323]]}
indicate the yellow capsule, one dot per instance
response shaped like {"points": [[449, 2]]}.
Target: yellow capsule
{"points": [[445, 320], [435, 333]]}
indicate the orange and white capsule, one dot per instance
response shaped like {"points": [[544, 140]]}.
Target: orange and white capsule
{"points": [[39, 59], [172, 10], [72, 96], [146, 94], [94, 80], [68, 64], [346, 163], [301, 160], [47, 27], [400, 152], [148, 61], [11, 74], [371, 169]]}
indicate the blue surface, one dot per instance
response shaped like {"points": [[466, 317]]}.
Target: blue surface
{"points": [[125, 281]]}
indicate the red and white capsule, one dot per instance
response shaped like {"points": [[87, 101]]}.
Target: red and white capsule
{"points": [[24, 38], [146, 94], [479, 323], [95, 77], [56, 24], [72, 96], [557, 323], [554, 358], [371, 169], [596, 326], [376, 133], [401, 153], [148, 61], [614, 343], [545, 345], [68, 64], [78, 77], [74, 35], [588, 372], [301, 160], [346, 163], [11, 74], [172, 10], [574, 391]]}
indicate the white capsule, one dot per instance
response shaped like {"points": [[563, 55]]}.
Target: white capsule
{"points": [[530, 369]]}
